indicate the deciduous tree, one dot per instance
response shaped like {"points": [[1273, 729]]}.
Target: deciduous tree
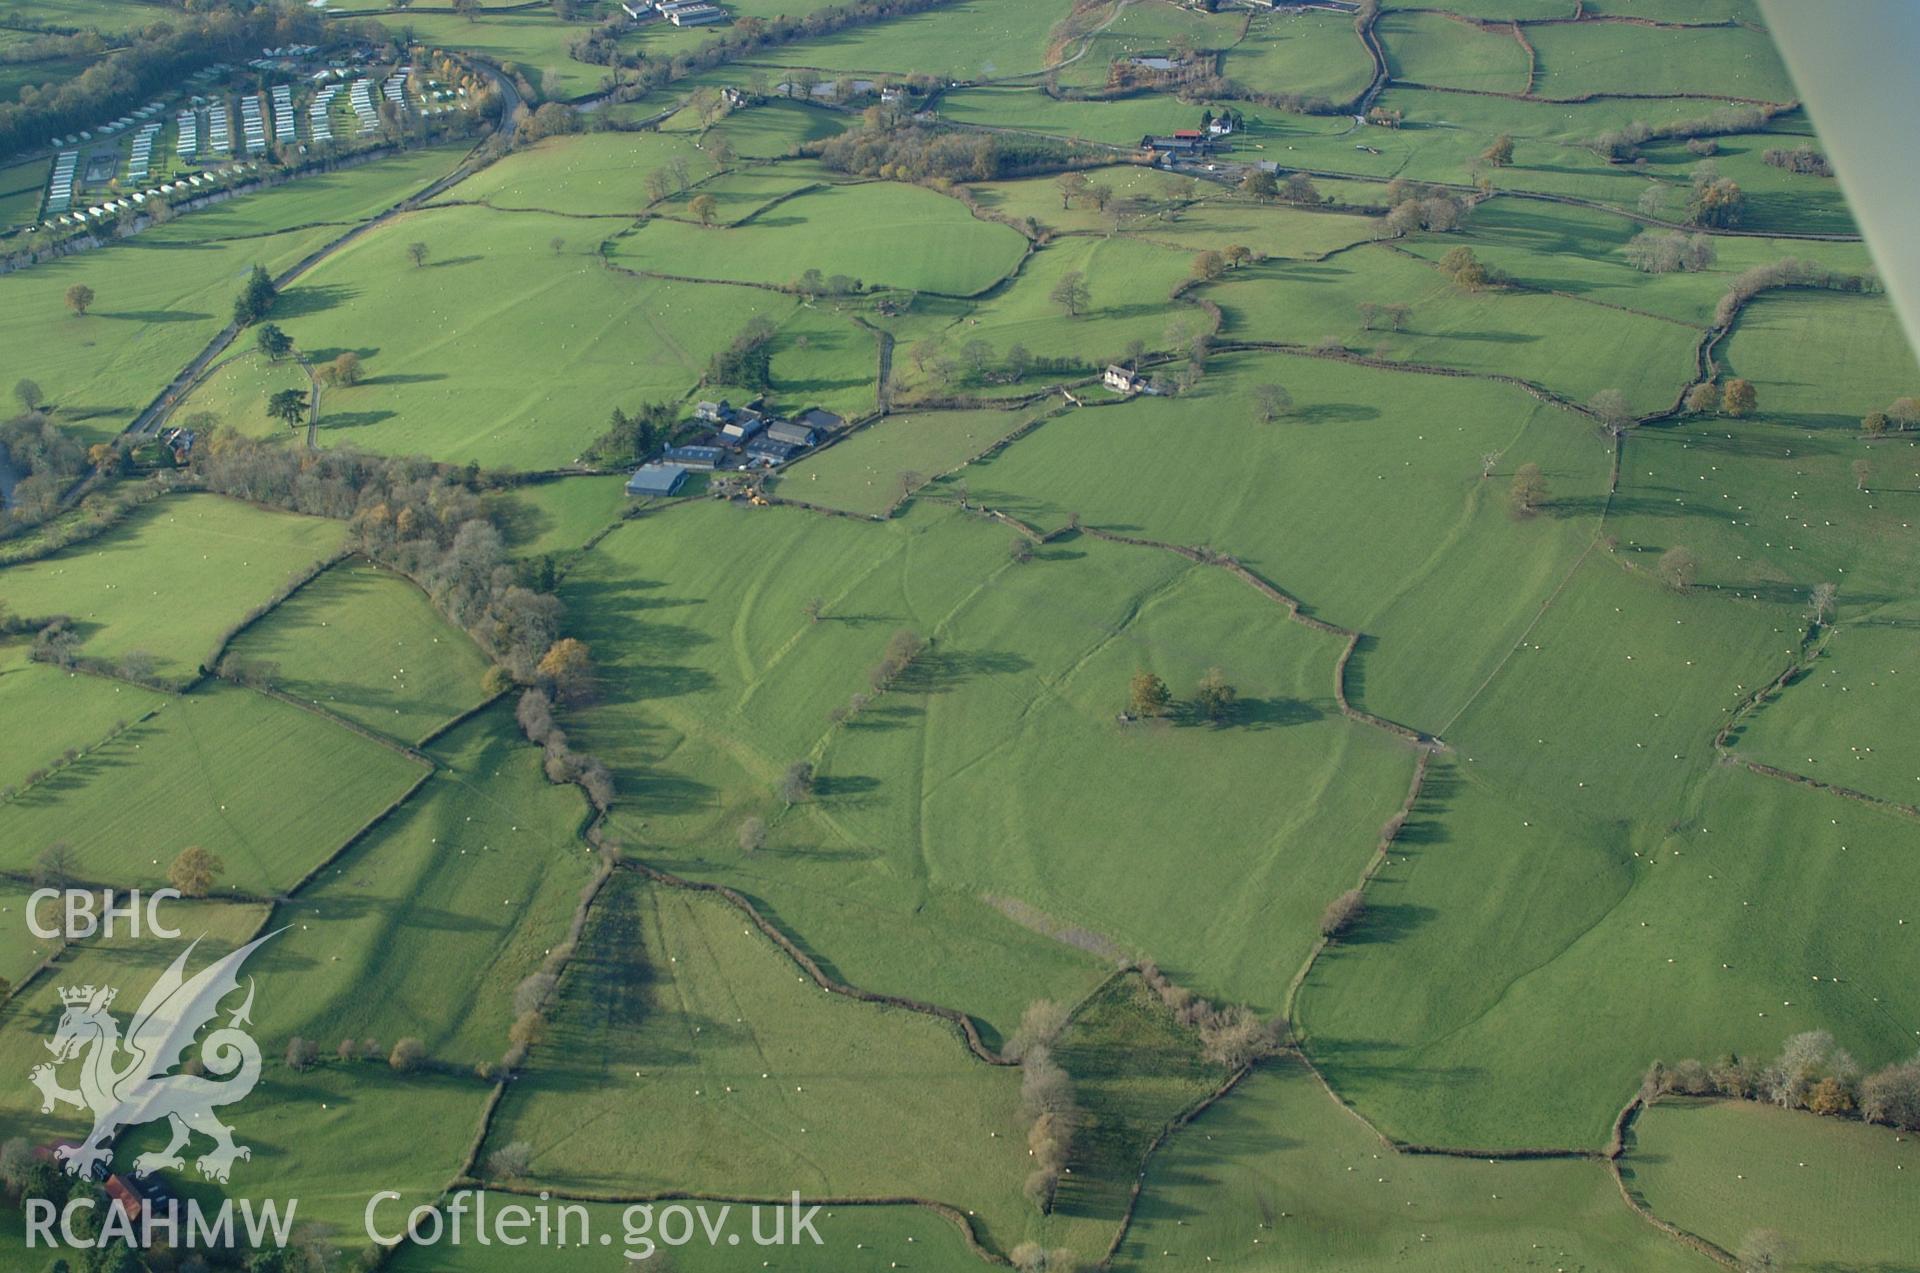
{"points": [[1148, 695], [80, 299], [195, 870]]}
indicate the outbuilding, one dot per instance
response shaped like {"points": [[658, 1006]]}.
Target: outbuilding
{"points": [[657, 479]]}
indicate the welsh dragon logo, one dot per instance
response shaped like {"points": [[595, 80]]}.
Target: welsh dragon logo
{"points": [[125, 1081]]}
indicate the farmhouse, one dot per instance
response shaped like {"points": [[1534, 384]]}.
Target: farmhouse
{"points": [[657, 479], [694, 457], [713, 412], [1121, 380]]}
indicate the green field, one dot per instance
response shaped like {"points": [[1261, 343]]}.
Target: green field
{"points": [[172, 578], [367, 644], [559, 516], [1444, 52], [1276, 1176], [916, 239], [1844, 721], [863, 473], [235, 393], [491, 275], [268, 788], [863, 741], [427, 926], [70, 711], [1310, 52], [1837, 1191], [677, 1024], [1578, 58], [594, 173]]}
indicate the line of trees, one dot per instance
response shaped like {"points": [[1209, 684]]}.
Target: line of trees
{"points": [[424, 519], [1791, 271], [747, 362], [1802, 159], [921, 152], [1812, 1073]]}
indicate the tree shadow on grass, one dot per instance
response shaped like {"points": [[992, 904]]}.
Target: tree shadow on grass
{"points": [[155, 315], [310, 298]]}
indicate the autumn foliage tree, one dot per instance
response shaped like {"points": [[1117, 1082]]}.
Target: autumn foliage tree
{"points": [[195, 870], [1148, 695], [567, 669]]}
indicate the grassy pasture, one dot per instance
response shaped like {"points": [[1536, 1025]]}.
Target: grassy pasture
{"points": [[774, 128], [1846, 720], [601, 174], [879, 232], [713, 681], [446, 373], [158, 301], [236, 393], [862, 474], [1121, 122], [172, 577], [1308, 51], [1118, 273], [1432, 48], [367, 644], [1272, 231], [268, 788], [975, 39], [428, 925], [1039, 197], [678, 1023], [558, 516], [898, 826], [1419, 440], [1600, 57], [1840, 1192], [1286, 803], [1502, 949], [1278, 1177], [1821, 360], [343, 197], [1581, 251], [66, 709], [1776, 200], [1502, 332]]}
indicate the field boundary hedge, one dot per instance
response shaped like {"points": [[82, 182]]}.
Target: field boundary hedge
{"points": [[959, 1020]]}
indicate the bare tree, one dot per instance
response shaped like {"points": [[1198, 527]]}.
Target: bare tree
{"points": [[753, 835], [1678, 568], [1342, 913], [1270, 402]]}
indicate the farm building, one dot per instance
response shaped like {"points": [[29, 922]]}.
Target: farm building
{"points": [[821, 422], [792, 433], [692, 13], [768, 451], [1185, 142], [694, 457], [657, 479], [743, 425], [713, 412], [640, 10], [1121, 380]]}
